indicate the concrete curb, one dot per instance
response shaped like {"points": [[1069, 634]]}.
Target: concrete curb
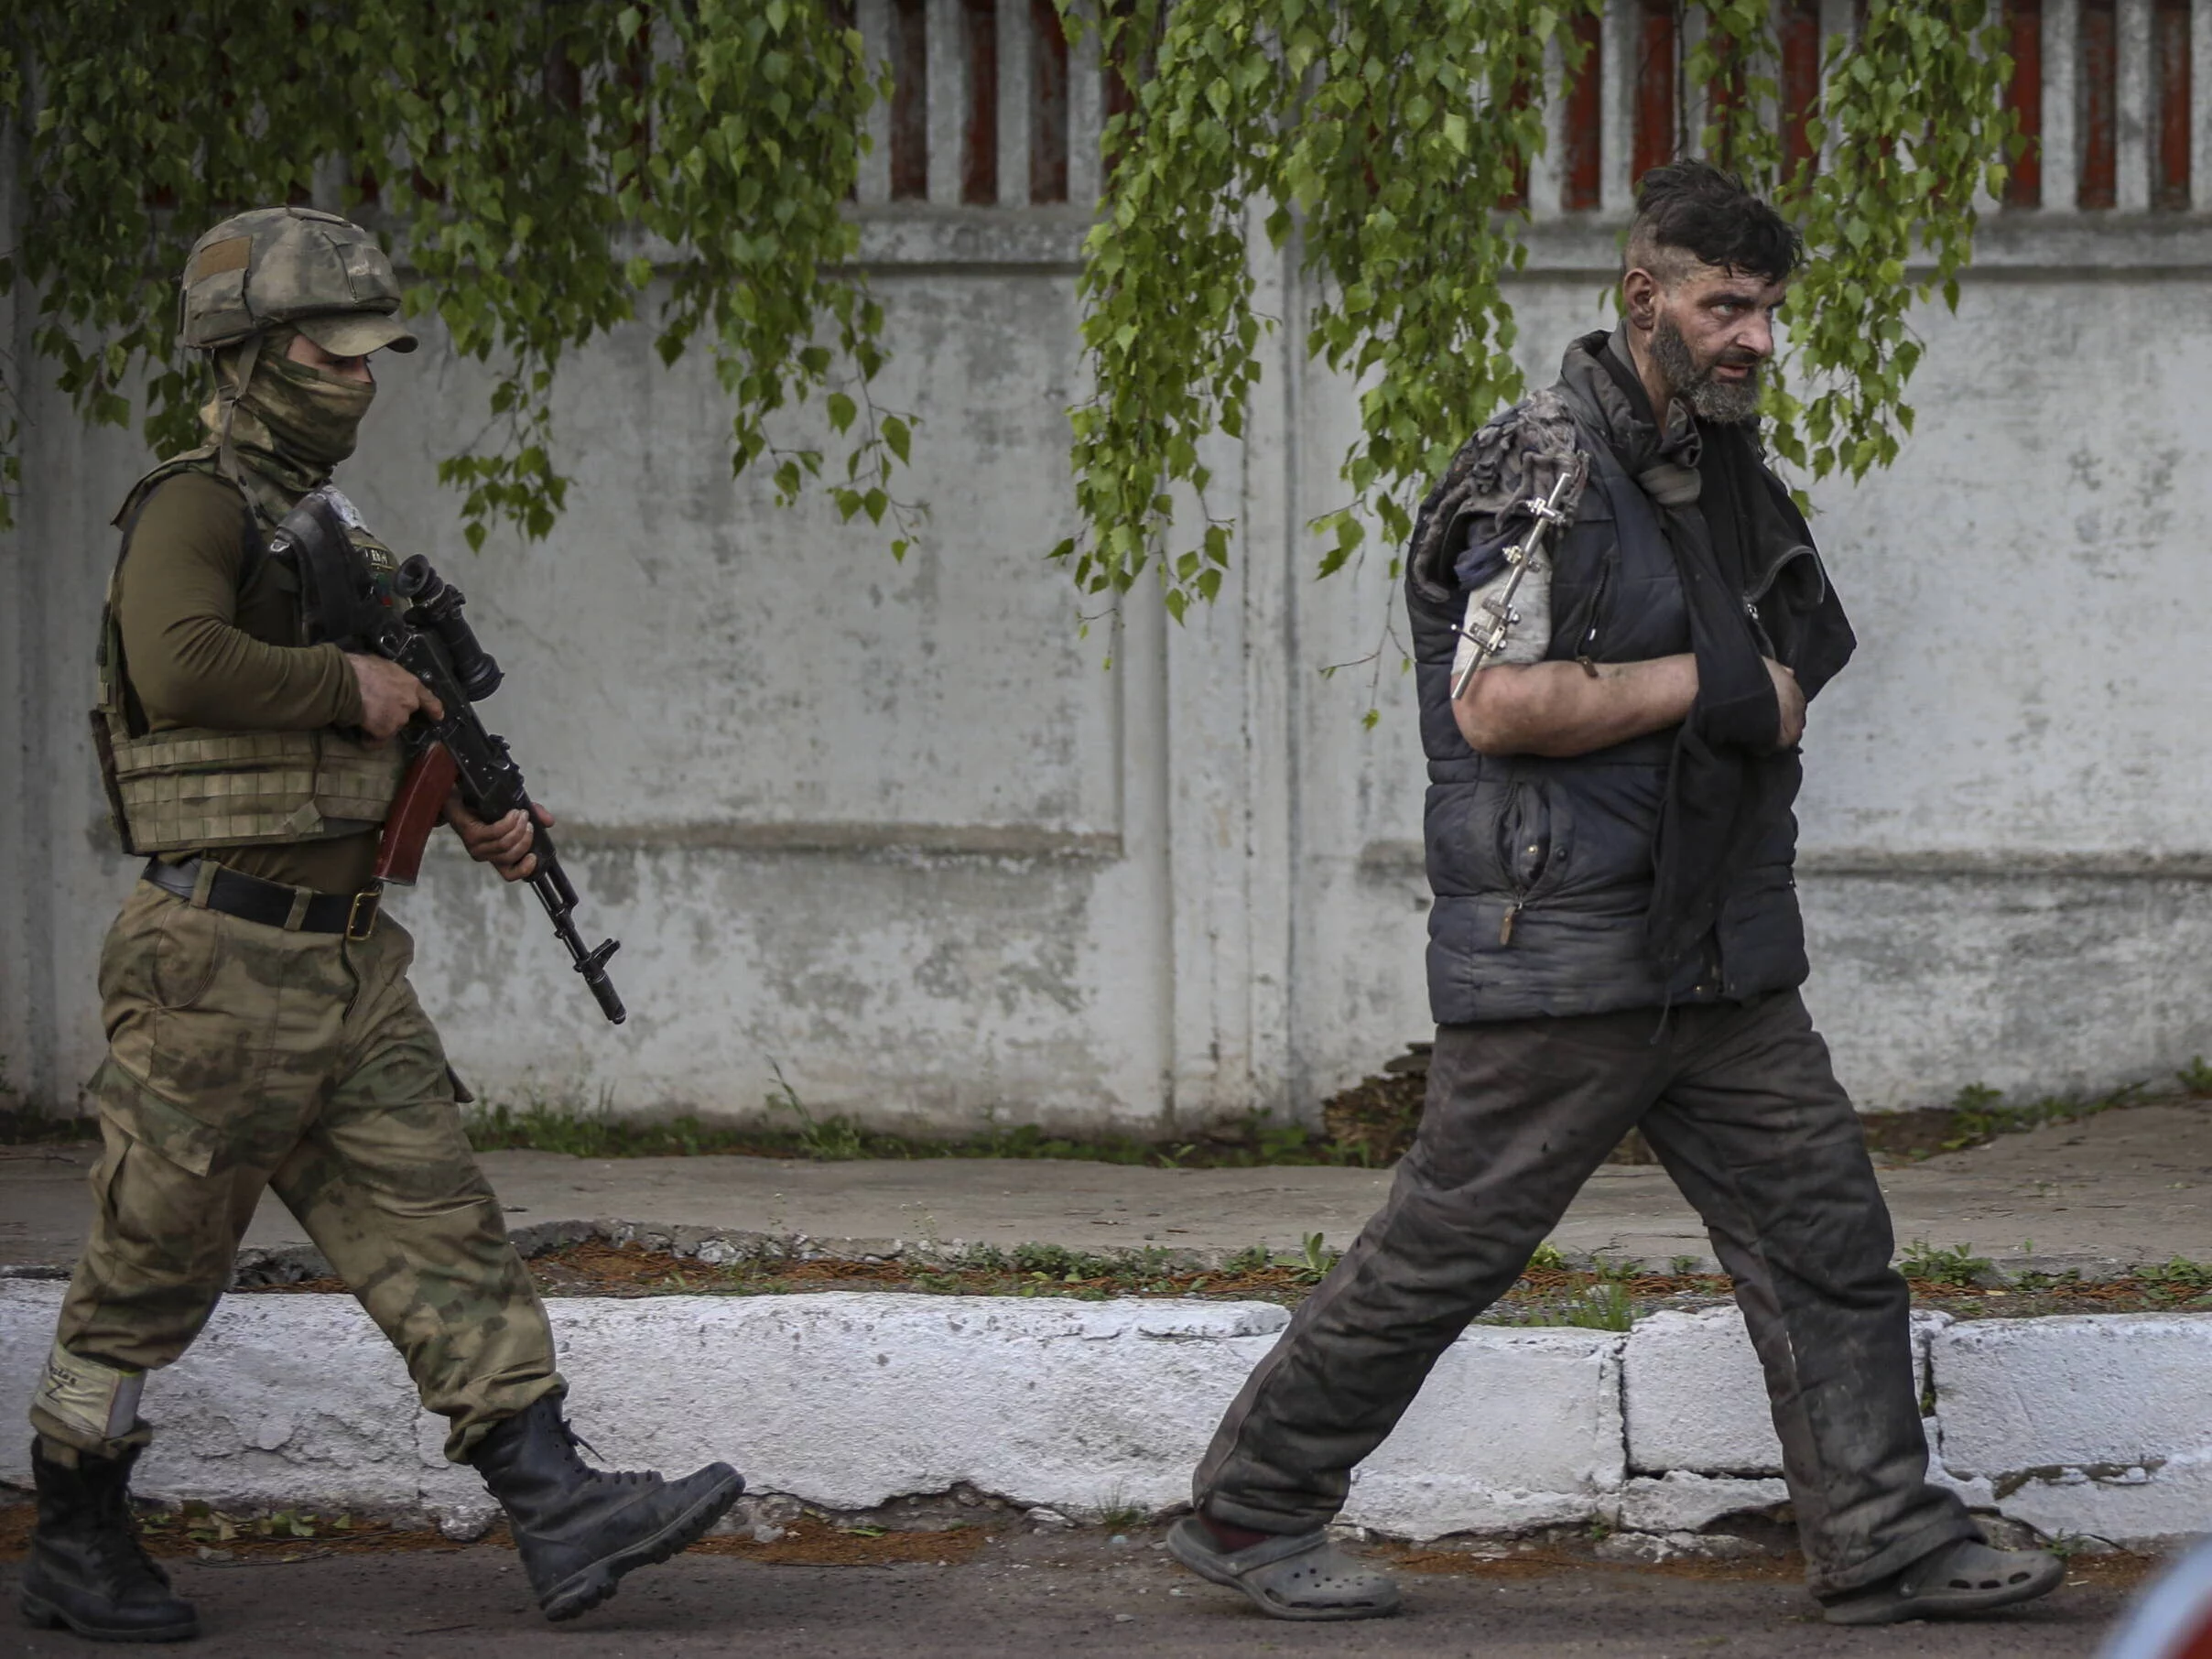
{"points": [[2096, 1424]]}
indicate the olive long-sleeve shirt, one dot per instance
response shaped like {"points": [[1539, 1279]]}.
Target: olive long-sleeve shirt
{"points": [[196, 652]]}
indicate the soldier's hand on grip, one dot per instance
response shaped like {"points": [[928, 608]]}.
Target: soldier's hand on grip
{"points": [[505, 843], [390, 696]]}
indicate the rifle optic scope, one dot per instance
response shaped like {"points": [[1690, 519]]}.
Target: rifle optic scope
{"points": [[436, 605]]}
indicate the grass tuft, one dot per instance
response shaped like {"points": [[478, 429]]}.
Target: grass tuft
{"points": [[1956, 1265]]}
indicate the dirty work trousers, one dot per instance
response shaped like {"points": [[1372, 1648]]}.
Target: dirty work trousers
{"points": [[1743, 1109], [243, 1056]]}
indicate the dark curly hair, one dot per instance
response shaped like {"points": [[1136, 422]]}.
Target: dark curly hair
{"points": [[1692, 210]]}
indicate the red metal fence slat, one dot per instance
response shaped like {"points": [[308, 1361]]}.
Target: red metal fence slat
{"points": [[1655, 115], [1582, 144], [1656, 34], [909, 101], [2099, 105], [2169, 49], [1048, 102], [1800, 83], [980, 137], [2023, 97]]}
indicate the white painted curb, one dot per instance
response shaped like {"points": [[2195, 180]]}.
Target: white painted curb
{"points": [[2099, 1424]]}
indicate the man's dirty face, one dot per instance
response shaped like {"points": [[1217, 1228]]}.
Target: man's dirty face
{"points": [[1713, 329]]}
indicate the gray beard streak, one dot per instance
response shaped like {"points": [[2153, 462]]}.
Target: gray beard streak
{"points": [[1717, 400]]}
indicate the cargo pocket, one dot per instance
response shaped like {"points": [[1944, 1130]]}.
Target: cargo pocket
{"points": [[160, 1125]]}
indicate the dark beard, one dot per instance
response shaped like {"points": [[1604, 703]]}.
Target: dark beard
{"points": [[1717, 400]]}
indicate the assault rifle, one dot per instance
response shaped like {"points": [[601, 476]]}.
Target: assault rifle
{"points": [[419, 626]]}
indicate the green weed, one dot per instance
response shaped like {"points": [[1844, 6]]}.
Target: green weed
{"points": [[2195, 1078], [1319, 1260], [829, 1141], [1120, 1512], [1605, 1305], [1979, 1112], [1955, 1266], [1279, 1142], [2178, 1280]]}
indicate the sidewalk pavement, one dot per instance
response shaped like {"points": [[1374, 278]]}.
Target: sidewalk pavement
{"points": [[2121, 1188]]}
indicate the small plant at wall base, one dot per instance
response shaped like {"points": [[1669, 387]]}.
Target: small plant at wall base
{"points": [[1936, 1265], [523, 159]]}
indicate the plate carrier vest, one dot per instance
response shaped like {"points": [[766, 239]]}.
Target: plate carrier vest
{"points": [[196, 788]]}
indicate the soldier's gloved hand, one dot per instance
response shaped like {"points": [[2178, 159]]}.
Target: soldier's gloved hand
{"points": [[504, 844], [390, 696]]}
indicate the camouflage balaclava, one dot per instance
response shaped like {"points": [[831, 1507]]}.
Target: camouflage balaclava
{"points": [[290, 422], [251, 285]]}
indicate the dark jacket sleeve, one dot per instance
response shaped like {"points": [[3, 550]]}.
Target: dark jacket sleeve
{"points": [[187, 658]]}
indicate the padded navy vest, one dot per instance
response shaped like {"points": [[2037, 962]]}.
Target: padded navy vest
{"points": [[1541, 867]]}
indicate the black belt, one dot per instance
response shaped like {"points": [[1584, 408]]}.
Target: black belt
{"points": [[252, 899]]}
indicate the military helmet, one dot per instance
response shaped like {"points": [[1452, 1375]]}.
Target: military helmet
{"points": [[320, 274]]}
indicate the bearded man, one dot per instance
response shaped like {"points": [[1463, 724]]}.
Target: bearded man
{"points": [[261, 1033], [1615, 944]]}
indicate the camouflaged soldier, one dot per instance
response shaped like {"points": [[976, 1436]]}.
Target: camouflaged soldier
{"points": [[261, 1028]]}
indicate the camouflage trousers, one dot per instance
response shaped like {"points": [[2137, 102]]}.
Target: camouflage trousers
{"points": [[243, 1057]]}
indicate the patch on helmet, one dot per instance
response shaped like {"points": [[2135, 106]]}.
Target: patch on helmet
{"points": [[229, 255]]}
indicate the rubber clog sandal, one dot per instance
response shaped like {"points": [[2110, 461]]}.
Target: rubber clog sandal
{"points": [[1964, 1577], [1297, 1576]]}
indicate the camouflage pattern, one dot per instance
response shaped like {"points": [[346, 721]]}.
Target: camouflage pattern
{"points": [[192, 788], [242, 1057], [291, 264]]}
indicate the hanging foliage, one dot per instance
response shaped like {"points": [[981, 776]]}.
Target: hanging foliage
{"points": [[537, 166], [1392, 139], [1910, 125]]}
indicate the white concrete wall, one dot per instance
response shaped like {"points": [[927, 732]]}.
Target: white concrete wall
{"points": [[899, 829]]}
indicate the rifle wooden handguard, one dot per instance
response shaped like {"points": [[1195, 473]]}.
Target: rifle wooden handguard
{"points": [[416, 811]]}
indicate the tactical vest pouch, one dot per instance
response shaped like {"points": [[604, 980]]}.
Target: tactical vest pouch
{"points": [[185, 790]]}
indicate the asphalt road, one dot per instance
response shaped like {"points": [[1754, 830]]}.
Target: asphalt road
{"points": [[1036, 1597]]}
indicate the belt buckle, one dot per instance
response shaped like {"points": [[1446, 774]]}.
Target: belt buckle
{"points": [[360, 915]]}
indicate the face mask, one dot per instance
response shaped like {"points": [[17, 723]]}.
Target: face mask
{"points": [[312, 418], [291, 422]]}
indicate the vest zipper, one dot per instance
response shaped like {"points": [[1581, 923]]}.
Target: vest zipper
{"points": [[1605, 582], [1505, 927]]}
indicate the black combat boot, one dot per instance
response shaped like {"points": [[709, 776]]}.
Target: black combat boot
{"points": [[86, 1569], [580, 1529]]}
